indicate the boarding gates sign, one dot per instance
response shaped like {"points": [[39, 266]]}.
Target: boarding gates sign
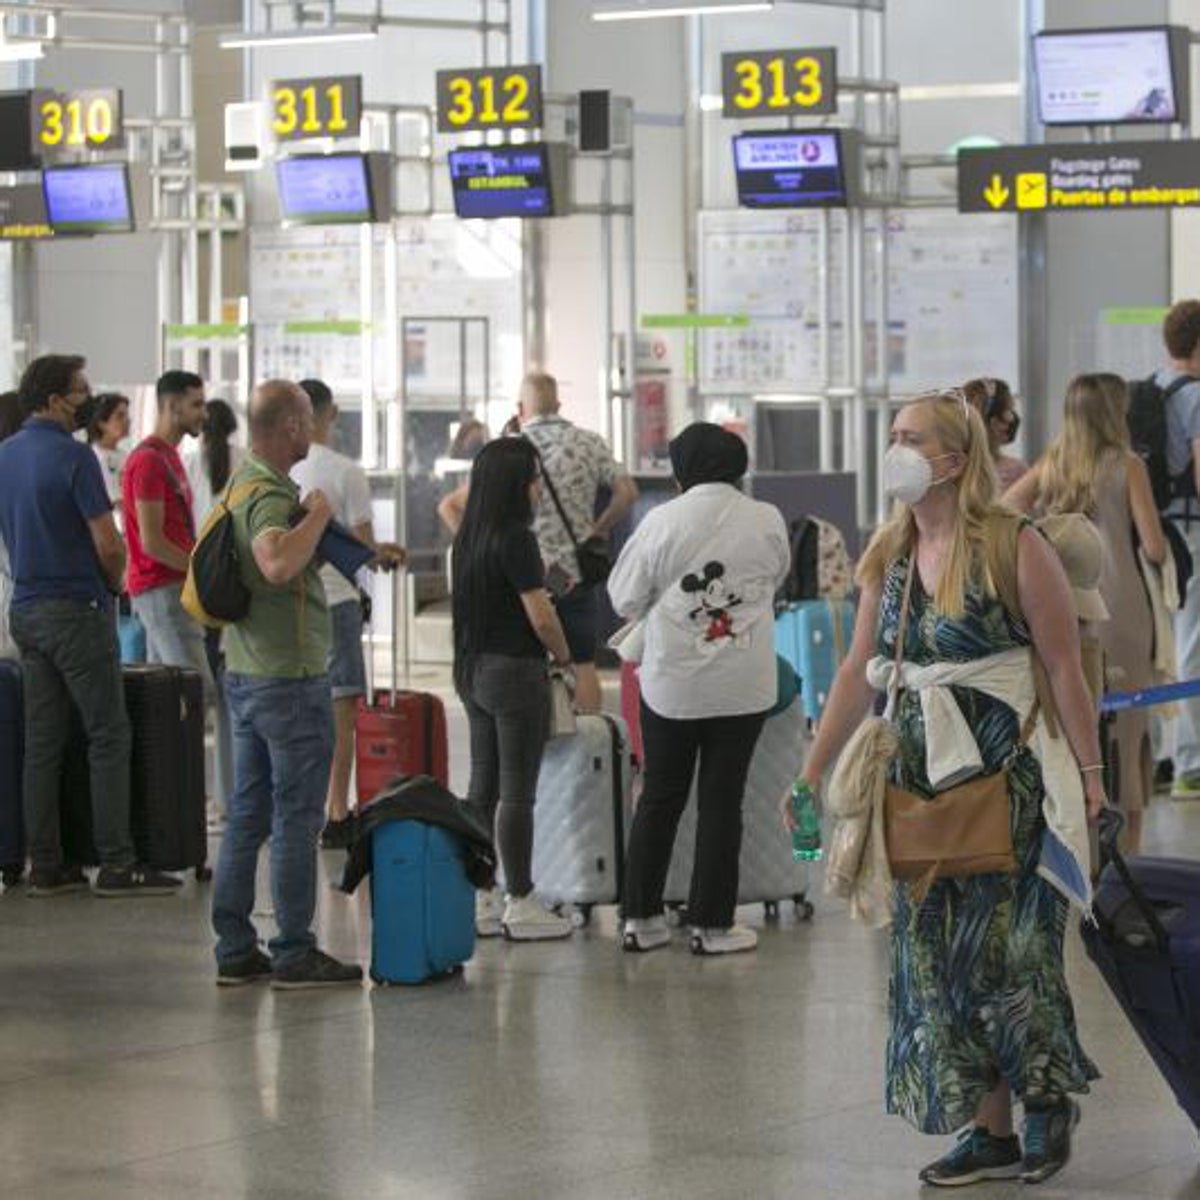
{"points": [[1080, 177]]}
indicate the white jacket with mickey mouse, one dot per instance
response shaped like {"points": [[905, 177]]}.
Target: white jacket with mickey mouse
{"points": [[706, 568]]}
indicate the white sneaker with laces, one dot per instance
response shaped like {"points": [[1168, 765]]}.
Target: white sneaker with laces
{"points": [[735, 940], [527, 919], [489, 908], [646, 933]]}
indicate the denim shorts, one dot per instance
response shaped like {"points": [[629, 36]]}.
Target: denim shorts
{"points": [[577, 613], [347, 670]]}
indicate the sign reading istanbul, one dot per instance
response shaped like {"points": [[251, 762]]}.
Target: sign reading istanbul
{"points": [[1085, 176]]}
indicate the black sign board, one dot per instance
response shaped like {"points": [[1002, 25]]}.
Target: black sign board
{"points": [[1080, 177], [23, 213], [781, 83], [489, 98], [17, 152], [323, 106]]}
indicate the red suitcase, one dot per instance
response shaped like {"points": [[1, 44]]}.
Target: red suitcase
{"points": [[398, 732], [631, 708]]}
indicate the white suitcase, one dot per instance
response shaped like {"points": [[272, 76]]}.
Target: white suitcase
{"points": [[767, 872], [581, 817]]}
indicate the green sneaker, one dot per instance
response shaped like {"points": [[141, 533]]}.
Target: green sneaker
{"points": [[1048, 1139], [1187, 788], [977, 1156]]}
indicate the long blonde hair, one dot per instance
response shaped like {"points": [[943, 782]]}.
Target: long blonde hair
{"points": [[985, 533], [1094, 431]]}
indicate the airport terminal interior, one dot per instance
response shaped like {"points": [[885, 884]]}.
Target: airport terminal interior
{"points": [[891, 264]]}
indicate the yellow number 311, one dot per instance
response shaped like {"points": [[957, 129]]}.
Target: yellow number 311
{"points": [[769, 83]]}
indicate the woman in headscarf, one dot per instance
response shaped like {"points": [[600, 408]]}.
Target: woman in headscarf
{"points": [[702, 572]]}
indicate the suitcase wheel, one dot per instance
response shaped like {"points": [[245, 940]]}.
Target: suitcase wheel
{"points": [[804, 908], [204, 874], [581, 918], [771, 910]]}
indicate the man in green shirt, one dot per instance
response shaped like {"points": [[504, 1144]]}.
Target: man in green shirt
{"points": [[279, 702]]}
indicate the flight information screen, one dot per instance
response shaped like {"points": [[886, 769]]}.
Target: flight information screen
{"points": [[1105, 77], [790, 169], [324, 189], [88, 199], [502, 181]]}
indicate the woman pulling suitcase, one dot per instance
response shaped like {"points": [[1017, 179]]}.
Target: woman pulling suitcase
{"points": [[504, 625], [961, 602]]}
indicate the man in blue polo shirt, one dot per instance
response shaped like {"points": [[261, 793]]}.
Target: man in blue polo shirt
{"points": [[67, 561]]}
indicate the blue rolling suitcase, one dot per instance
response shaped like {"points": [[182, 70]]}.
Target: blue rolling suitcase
{"points": [[12, 759], [422, 903], [814, 636], [1146, 942]]}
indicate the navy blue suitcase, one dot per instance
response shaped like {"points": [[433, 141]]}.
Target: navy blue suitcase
{"points": [[12, 765], [422, 903], [1146, 942]]}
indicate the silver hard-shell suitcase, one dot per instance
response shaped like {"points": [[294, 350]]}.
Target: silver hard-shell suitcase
{"points": [[581, 817], [767, 872]]}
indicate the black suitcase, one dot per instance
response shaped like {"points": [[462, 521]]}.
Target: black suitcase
{"points": [[1146, 943], [12, 758], [166, 774]]}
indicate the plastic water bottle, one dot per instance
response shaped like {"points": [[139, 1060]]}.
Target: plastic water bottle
{"points": [[806, 836]]}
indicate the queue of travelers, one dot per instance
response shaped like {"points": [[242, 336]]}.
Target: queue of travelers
{"points": [[971, 622]]}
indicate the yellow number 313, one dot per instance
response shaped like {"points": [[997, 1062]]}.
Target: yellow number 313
{"points": [[769, 83]]}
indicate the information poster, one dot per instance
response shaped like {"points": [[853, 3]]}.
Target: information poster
{"points": [[952, 302]]}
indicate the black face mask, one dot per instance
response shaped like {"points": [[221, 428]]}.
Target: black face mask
{"points": [[85, 412]]}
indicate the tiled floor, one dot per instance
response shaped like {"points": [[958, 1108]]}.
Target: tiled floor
{"points": [[568, 1070]]}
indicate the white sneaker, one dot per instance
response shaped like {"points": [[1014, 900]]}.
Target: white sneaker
{"points": [[489, 908], [527, 919], [646, 933], [734, 940]]}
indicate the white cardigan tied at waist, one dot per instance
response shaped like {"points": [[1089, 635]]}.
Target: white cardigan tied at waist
{"points": [[952, 754]]}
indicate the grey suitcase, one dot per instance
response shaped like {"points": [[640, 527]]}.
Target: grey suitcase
{"points": [[581, 815], [767, 872]]}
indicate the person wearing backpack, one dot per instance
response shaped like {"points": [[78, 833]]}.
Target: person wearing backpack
{"points": [[276, 658], [1164, 422]]}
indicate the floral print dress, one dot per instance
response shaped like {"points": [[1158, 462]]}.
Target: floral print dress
{"points": [[977, 991]]}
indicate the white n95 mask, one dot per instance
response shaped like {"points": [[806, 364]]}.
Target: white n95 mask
{"points": [[908, 474]]}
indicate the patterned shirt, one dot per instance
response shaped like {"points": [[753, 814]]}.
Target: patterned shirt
{"points": [[580, 463]]}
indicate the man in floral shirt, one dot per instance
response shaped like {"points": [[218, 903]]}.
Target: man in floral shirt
{"points": [[579, 463]]}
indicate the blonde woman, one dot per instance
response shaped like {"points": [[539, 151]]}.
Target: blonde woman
{"points": [[979, 1008], [993, 400], [1090, 469]]}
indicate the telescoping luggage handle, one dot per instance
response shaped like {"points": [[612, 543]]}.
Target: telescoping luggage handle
{"points": [[1111, 823], [399, 620]]}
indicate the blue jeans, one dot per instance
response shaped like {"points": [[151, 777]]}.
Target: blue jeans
{"points": [[282, 752]]}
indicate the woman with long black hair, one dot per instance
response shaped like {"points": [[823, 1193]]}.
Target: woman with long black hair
{"points": [[504, 625], [209, 469]]}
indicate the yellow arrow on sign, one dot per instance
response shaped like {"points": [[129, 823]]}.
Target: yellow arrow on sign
{"points": [[996, 194]]}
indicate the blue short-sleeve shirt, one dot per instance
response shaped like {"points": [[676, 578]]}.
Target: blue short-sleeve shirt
{"points": [[51, 486]]}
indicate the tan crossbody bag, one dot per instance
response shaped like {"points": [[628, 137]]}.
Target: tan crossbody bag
{"points": [[960, 832]]}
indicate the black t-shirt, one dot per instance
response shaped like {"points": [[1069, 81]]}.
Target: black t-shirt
{"points": [[515, 566]]}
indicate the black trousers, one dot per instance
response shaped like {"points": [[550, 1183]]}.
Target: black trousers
{"points": [[724, 747]]}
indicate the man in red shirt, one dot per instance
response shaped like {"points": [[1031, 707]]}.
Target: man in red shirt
{"points": [[160, 529]]}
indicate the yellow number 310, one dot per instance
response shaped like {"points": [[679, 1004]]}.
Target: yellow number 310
{"points": [[74, 124]]}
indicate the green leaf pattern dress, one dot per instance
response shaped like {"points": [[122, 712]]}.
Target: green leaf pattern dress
{"points": [[977, 991]]}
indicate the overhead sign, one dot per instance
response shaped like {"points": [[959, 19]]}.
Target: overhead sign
{"points": [[325, 106], [779, 82], [489, 98], [1080, 177], [65, 122], [23, 213]]}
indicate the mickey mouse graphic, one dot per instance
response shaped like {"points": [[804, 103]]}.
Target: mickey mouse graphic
{"points": [[716, 604]]}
